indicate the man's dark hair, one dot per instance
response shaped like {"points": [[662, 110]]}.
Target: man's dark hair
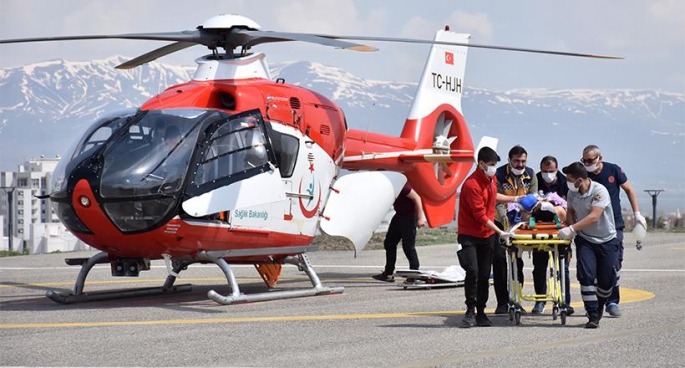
{"points": [[548, 160], [517, 151], [487, 154], [576, 170]]}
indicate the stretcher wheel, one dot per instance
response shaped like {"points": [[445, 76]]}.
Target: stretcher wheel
{"points": [[555, 312], [517, 316], [511, 314], [563, 317]]}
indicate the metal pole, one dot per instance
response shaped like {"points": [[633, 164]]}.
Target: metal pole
{"points": [[654, 193]]}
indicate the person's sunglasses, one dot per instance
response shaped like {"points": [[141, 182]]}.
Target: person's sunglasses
{"points": [[589, 160]]}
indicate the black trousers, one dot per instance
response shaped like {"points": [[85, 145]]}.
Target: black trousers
{"points": [[402, 227], [540, 275], [475, 257], [499, 274]]}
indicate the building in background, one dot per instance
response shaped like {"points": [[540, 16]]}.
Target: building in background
{"points": [[34, 225]]}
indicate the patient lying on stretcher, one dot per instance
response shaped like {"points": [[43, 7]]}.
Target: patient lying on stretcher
{"points": [[550, 208]]}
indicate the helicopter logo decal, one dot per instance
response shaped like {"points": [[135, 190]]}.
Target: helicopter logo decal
{"points": [[310, 191]]}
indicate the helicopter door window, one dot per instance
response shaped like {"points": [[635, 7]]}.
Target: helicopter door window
{"points": [[237, 149]]}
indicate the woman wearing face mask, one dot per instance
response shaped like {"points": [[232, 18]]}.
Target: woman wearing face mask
{"points": [[478, 234]]}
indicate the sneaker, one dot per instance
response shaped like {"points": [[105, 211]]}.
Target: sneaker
{"points": [[569, 310], [539, 308], [593, 323], [468, 320], [614, 310], [482, 320], [502, 309], [384, 277]]}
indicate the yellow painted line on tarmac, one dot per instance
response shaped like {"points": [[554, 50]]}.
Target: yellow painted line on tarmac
{"points": [[678, 248], [627, 296]]}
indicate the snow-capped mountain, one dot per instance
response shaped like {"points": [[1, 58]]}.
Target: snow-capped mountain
{"points": [[44, 106]]}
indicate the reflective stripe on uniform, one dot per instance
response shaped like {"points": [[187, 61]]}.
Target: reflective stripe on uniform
{"points": [[604, 293]]}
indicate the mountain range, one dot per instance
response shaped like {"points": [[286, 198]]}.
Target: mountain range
{"points": [[46, 105]]}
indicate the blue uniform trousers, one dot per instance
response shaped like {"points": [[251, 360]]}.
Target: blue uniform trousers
{"points": [[597, 266], [615, 297]]}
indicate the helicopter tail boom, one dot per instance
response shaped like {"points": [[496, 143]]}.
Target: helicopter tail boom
{"points": [[435, 150]]}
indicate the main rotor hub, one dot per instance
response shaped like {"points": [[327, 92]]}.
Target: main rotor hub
{"points": [[227, 21]]}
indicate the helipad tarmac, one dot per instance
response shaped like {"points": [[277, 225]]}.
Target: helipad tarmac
{"points": [[370, 324]]}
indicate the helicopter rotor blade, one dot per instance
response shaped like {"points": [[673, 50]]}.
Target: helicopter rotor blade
{"points": [[155, 54], [183, 36], [494, 47], [259, 37]]}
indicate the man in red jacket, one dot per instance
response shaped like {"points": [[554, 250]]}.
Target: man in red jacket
{"points": [[478, 234]]}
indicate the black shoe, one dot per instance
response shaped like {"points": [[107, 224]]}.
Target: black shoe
{"points": [[569, 310], [384, 277], [593, 323], [482, 320], [502, 309], [468, 320]]}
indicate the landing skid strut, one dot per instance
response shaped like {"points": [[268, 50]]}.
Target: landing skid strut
{"points": [[78, 296], [236, 297], [302, 263]]}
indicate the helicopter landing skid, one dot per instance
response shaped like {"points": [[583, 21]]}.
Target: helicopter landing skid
{"points": [[78, 296], [302, 263]]}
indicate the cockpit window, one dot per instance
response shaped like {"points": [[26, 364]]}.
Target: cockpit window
{"points": [[153, 155], [94, 137], [237, 148]]}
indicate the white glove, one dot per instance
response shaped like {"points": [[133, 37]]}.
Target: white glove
{"points": [[567, 233], [639, 219], [504, 237]]}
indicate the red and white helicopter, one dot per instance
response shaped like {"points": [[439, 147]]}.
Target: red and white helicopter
{"points": [[235, 168]]}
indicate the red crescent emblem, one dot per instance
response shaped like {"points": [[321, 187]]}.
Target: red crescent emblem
{"points": [[611, 179], [308, 213]]}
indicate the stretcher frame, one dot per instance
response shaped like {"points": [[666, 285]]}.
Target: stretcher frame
{"points": [[542, 238]]}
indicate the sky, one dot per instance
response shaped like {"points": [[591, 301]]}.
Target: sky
{"points": [[650, 35]]}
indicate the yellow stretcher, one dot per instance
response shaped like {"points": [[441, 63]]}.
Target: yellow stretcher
{"points": [[542, 237]]}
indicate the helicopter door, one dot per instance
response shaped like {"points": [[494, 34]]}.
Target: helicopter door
{"points": [[237, 168]]}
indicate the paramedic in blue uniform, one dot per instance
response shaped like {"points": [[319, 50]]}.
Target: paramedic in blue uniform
{"points": [[591, 222], [614, 178], [408, 215], [513, 179], [550, 180]]}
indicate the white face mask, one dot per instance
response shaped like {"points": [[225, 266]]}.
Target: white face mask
{"points": [[490, 171], [572, 186], [549, 177], [517, 172], [591, 168]]}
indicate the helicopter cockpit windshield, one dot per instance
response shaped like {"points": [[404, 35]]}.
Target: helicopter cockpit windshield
{"points": [[153, 155]]}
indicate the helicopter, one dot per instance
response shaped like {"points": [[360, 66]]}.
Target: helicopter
{"points": [[234, 167]]}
